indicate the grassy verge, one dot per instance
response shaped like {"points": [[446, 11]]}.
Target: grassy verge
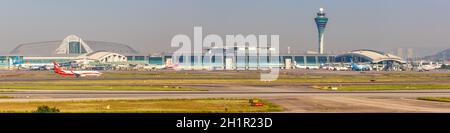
{"points": [[145, 106], [141, 82], [437, 99], [181, 77], [128, 88], [386, 87]]}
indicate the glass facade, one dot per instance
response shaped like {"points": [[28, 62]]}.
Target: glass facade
{"points": [[215, 61], [206, 60], [275, 61], [4, 61], [322, 59], [192, 60], [233, 58], [130, 58], [45, 61], [156, 60], [331, 59], [311, 61], [361, 59], [348, 58], [299, 60], [74, 48], [253, 61], [241, 61], [181, 59], [197, 61], [264, 61], [139, 58]]}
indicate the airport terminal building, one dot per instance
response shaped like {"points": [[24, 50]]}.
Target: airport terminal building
{"points": [[71, 48], [75, 49], [247, 58]]}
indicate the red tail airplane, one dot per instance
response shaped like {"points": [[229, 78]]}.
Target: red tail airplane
{"points": [[77, 74]]}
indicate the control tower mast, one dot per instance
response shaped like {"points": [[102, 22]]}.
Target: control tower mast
{"points": [[321, 22]]}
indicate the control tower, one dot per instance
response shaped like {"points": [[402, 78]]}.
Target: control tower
{"points": [[321, 22]]}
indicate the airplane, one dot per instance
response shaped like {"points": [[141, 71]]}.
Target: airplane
{"points": [[77, 74], [171, 66], [359, 67], [427, 66], [17, 61], [35, 66]]}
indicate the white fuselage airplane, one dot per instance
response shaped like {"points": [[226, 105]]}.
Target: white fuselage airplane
{"points": [[428, 66], [171, 66], [77, 74]]}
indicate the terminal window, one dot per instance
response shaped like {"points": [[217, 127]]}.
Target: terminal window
{"points": [[74, 48]]}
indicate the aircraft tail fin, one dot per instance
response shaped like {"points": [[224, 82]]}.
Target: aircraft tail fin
{"points": [[56, 67], [17, 60]]}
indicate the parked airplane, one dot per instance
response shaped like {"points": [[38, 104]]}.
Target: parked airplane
{"points": [[77, 74], [171, 66], [360, 67], [35, 66], [427, 66], [334, 67], [17, 61]]}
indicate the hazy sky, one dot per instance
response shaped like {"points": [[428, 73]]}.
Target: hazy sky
{"points": [[149, 25]]}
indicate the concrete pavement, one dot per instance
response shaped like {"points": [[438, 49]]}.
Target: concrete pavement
{"points": [[292, 101]]}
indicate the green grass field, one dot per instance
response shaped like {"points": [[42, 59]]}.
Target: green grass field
{"points": [[145, 106], [318, 79], [387, 87], [437, 99], [156, 80], [127, 88]]}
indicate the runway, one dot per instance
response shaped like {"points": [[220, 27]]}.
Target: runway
{"points": [[291, 101]]}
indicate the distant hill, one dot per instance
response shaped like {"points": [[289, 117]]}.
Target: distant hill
{"points": [[439, 56]]}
